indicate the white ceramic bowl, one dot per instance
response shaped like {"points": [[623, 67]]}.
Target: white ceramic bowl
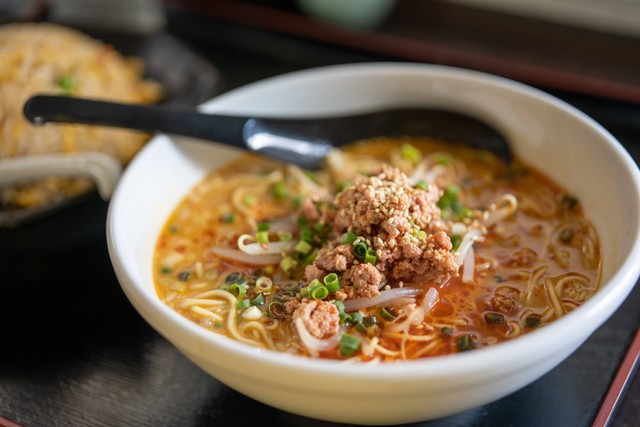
{"points": [[548, 133]]}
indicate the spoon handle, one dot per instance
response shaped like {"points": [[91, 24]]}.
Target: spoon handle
{"points": [[41, 109]]}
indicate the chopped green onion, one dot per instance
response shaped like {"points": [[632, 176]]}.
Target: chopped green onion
{"points": [[304, 292], [342, 186], [420, 234], [314, 282], [237, 290], [443, 159], [303, 247], [371, 256], [302, 222], [369, 321], [312, 176], [532, 321], [306, 234], [263, 226], [258, 300], [357, 317], [422, 185], [284, 235], [446, 331], [173, 229], [183, 276], [262, 237], [242, 304], [360, 250], [450, 194], [166, 270], [264, 284], [228, 218], [66, 83], [276, 310], [410, 153], [344, 318], [349, 344], [331, 282], [387, 314], [287, 263], [280, 190], [499, 278], [466, 342], [322, 229], [456, 239], [297, 202], [311, 257], [248, 200], [339, 304], [348, 237], [494, 318], [236, 277], [451, 205], [319, 292]]}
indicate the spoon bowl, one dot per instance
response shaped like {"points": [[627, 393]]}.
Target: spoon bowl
{"points": [[304, 141]]}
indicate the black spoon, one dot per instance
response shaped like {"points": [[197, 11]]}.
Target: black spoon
{"points": [[302, 141]]}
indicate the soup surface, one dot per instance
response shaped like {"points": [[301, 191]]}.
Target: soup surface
{"points": [[398, 249]]}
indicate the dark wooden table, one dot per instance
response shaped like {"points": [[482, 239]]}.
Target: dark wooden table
{"points": [[74, 352]]}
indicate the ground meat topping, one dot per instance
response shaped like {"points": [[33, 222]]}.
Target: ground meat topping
{"points": [[505, 300], [400, 222], [523, 258], [321, 318]]}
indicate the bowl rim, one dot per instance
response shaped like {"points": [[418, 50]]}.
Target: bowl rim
{"points": [[597, 309]]}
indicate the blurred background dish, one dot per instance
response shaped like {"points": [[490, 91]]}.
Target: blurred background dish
{"points": [[49, 58]]}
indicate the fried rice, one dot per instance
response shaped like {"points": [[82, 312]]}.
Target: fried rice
{"points": [[48, 58]]}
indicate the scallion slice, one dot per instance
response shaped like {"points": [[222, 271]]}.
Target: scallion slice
{"points": [[349, 238], [242, 304], [262, 237], [287, 263], [284, 235], [422, 185], [311, 257], [371, 256], [276, 310], [387, 314], [494, 318], [349, 344], [331, 282], [303, 247], [237, 290], [360, 250], [280, 190], [410, 153], [306, 234], [466, 342], [319, 292], [297, 202], [258, 300]]}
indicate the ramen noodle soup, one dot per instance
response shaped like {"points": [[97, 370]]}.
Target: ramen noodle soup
{"points": [[398, 249]]}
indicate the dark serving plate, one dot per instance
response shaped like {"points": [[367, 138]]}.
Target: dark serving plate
{"points": [[187, 79]]}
